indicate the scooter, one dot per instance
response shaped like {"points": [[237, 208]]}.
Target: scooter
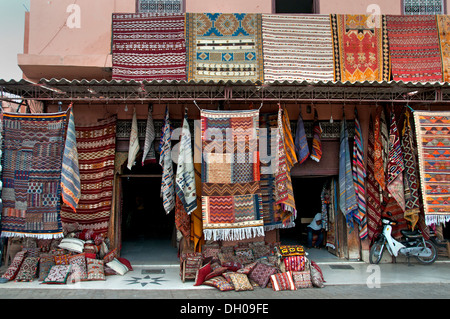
{"points": [[414, 244]]}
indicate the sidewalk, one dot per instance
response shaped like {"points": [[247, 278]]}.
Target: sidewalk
{"points": [[336, 272]]}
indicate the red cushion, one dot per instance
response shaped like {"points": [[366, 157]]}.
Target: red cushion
{"points": [[202, 273], [126, 262]]}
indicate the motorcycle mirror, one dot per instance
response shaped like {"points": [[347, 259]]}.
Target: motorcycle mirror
{"points": [[389, 214]]}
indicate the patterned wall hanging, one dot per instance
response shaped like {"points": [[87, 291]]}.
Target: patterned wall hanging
{"points": [[224, 46], [32, 158], [231, 200]]}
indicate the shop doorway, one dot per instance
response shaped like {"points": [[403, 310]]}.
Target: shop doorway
{"points": [[148, 234]]}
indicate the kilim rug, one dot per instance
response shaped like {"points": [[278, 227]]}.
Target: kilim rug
{"points": [[224, 46], [166, 163], [372, 186], [347, 196], [133, 146], [411, 179], [148, 46], [96, 145], [297, 47], [433, 144], [361, 48], [395, 165], [301, 142], [316, 147], [32, 157], [359, 176], [414, 48], [231, 194], [398, 215], [149, 154], [70, 172], [443, 23]]}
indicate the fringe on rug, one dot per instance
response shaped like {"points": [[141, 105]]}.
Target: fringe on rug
{"points": [[38, 236], [436, 219], [233, 233]]}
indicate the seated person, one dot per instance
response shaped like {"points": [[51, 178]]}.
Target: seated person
{"points": [[315, 227]]}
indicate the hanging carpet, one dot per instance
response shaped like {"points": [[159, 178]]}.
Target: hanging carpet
{"points": [[414, 48], [443, 22], [96, 145], [297, 47], [224, 47], [361, 48], [231, 194], [433, 144], [148, 46], [32, 158]]}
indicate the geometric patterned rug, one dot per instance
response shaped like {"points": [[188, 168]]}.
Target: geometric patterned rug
{"points": [[32, 158], [231, 194], [96, 146], [433, 144]]}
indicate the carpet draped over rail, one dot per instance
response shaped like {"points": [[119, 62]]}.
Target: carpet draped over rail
{"points": [[96, 144], [231, 194], [32, 158], [361, 48], [148, 46], [414, 48], [297, 47], [224, 46]]}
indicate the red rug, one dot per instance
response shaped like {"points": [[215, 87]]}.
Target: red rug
{"points": [[415, 48], [96, 152], [148, 47]]}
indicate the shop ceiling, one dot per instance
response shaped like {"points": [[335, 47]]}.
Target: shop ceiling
{"points": [[113, 91]]}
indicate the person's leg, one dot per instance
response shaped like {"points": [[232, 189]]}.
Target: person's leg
{"points": [[310, 236], [319, 239]]}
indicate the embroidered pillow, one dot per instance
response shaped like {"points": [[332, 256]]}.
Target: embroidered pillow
{"points": [[28, 269], [62, 259], [79, 267], [240, 282], [291, 250], [282, 281], [232, 265], [220, 283], [216, 272], [14, 268], [247, 268], [117, 266], [95, 268], [110, 256], [58, 274], [302, 279], [126, 262], [295, 263], [261, 274], [46, 261], [316, 275], [202, 273], [244, 252]]}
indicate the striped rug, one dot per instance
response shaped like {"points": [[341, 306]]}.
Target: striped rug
{"points": [[96, 145], [297, 48], [414, 48]]}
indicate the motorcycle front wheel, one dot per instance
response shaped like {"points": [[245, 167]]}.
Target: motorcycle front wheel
{"points": [[376, 251], [432, 258]]}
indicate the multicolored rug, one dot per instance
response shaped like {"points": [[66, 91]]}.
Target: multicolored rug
{"points": [[148, 46], [224, 46], [96, 145], [443, 23], [414, 48], [361, 48], [433, 144], [297, 47], [231, 194], [372, 186], [32, 158]]}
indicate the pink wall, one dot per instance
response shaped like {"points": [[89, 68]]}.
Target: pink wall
{"points": [[229, 6]]}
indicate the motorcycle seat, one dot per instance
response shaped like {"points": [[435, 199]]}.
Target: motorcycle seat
{"points": [[411, 234]]}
